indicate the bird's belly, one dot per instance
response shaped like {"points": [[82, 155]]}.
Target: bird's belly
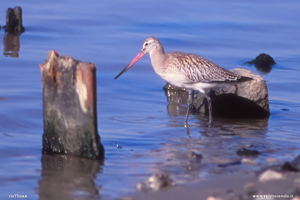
{"points": [[183, 82], [175, 80], [202, 87]]}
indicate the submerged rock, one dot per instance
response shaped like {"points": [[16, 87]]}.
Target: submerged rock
{"points": [[155, 182], [230, 163], [196, 156], [247, 152]]}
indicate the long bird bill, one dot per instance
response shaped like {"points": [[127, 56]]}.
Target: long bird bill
{"points": [[141, 54]]}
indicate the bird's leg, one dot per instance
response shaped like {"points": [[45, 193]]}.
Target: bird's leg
{"points": [[190, 105], [209, 109]]}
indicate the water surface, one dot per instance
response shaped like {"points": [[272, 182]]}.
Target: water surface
{"points": [[140, 136]]}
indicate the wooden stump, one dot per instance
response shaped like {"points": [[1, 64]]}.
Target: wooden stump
{"points": [[13, 29], [69, 107], [14, 20]]}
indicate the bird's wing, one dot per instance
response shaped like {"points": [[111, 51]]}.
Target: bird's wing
{"points": [[199, 69]]}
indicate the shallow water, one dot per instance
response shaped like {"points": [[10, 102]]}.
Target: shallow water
{"points": [[138, 132]]}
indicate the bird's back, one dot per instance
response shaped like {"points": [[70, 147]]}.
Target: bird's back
{"points": [[198, 69]]}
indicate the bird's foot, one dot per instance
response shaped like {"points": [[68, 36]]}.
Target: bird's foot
{"points": [[186, 125]]}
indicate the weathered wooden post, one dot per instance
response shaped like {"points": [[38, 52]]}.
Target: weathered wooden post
{"points": [[69, 107], [14, 20], [13, 29]]}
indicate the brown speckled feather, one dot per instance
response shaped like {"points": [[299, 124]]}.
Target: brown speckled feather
{"points": [[199, 69]]}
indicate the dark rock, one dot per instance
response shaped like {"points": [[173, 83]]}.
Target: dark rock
{"points": [[196, 156], [296, 162], [263, 62], [285, 167], [288, 167], [247, 152], [238, 162], [233, 106]]}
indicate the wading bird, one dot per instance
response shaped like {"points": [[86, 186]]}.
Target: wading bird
{"points": [[185, 70]]}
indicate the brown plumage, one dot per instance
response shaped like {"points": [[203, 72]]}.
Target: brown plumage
{"points": [[199, 69]]}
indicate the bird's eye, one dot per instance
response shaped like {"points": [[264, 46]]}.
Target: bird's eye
{"points": [[146, 44]]}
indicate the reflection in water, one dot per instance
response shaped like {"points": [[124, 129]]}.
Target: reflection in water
{"points": [[11, 43], [237, 127], [67, 177], [175, 97]]}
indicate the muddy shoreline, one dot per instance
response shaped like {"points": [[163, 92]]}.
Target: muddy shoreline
{"points": [[229, 187]]}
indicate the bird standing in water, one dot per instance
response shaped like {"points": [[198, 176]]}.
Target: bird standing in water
{"points": [[185, 70]]}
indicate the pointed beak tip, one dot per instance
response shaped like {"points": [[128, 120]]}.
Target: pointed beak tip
{"points": [[141, 54]]}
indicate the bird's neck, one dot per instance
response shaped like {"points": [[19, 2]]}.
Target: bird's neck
{"points": [[157, 57]]}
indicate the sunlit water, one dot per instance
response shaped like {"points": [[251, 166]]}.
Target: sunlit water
{"points": [[139, 136]]}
